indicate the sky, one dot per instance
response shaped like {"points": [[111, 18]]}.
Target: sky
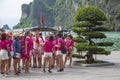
{"points": [[10, 11]]}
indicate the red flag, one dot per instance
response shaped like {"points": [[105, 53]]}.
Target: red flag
{"points": [[41, 20]]}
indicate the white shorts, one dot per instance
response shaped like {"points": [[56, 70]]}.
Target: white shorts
{"points": [[58, 53], [48, 54], [3, 55]]}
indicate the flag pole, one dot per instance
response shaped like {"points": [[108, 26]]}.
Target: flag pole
{"points": [[42, 21]]}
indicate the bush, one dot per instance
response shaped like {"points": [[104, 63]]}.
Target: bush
{"points": [[78, 56]]}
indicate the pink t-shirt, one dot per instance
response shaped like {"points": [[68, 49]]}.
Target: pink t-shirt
{"points": [[69, 43], [10, 44], [31, 43], [3, 44], [48, 47], [60, 42], [28, 43], [22, 44]]}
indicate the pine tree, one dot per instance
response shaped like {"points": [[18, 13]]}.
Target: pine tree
{"points": [[88, 21]]}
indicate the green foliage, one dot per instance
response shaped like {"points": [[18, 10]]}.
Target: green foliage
{"points": [[24, 24], [63, 12], [83, 24], [81, 46], [78, 30], [105, 43], [108, 4], [95, 35], [90, 13], [103, 52], [86, 20], [77, 56], [77, 40], [102, 29]]}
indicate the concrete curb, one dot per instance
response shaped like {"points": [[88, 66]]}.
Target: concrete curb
{"points": [[77, 63]]}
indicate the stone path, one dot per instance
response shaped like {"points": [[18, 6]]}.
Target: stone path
{"points": [[76, 72]]}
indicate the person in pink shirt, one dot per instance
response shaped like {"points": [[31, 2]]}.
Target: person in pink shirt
{"points": [[59, 45], [69, 47], [55, 60], [27, 51], [31, 48], [23, 51], [10, 42], [4, 48], [48, 53]]}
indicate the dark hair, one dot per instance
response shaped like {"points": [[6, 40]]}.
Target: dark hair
{"points": [[16, 37], [26, 34], [40, 33], [71, 37], [51, 38], [59, 35], [3, 36]]}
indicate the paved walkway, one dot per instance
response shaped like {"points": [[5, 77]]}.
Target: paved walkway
{"points": [[76, 72]]}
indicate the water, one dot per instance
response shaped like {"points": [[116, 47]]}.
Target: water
{"points": [[114, 37], [111, 37]]}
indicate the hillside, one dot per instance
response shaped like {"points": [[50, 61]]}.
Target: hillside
{"points": [[61, 12]]}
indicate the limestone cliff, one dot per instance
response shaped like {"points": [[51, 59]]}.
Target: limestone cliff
{"points": [[61, 12]]}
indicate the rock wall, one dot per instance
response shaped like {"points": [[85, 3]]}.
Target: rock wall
{"points": [[61, 12]]}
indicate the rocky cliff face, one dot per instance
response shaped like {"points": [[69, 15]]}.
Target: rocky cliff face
{"points": [[5, 27], [61, 12], [112, 10]]}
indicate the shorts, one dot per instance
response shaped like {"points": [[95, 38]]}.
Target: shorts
{"points": [[58, 53], [4, 54], [48, 54], [37, 52]]}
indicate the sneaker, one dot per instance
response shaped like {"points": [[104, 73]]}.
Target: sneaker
{"points": [[49, 71], [7, 75], [1, 74], [39, 67], [34, 67], [44, 70], [60, 70]]}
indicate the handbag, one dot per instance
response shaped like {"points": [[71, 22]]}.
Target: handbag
{"points": [[17, 55]]}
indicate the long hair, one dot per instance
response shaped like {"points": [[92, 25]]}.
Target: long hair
{"points": [[3, 36], [51, 38], [26, 34]]}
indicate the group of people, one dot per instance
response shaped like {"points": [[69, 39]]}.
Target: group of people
{"points": [[30, 49]]}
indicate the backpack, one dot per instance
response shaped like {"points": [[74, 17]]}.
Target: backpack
{"points": [[63, 49]]}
